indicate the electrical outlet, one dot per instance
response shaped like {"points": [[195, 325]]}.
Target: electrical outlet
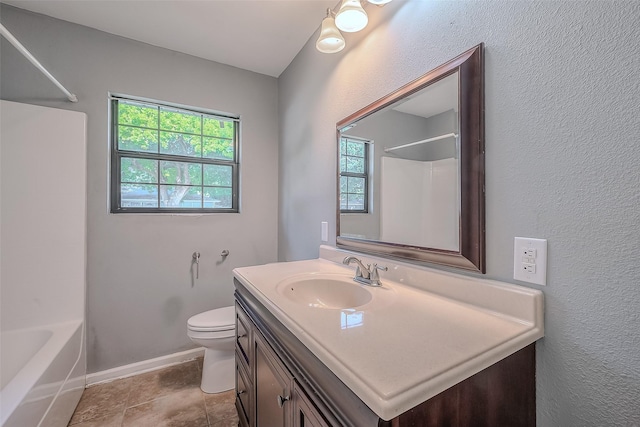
{"points": [[530, 260], [324, 231]]}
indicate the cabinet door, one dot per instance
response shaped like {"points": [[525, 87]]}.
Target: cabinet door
{"points": [[273, 388], [305, 413]]}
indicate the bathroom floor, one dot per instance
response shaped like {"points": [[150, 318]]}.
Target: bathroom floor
{"points": [[169, 397]]}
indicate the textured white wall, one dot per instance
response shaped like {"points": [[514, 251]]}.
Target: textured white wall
{"points": [[139, 285], [562, 154]]}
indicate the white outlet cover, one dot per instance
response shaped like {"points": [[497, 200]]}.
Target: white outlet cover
{"points": [[324, 231], [522, 259]]}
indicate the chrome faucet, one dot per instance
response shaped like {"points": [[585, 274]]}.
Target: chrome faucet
{"points": [[366, 275]]}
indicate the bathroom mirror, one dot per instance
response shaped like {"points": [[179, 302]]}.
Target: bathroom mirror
{"points": [[411, 170]]}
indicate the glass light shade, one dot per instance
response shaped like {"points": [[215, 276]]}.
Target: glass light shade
{"points": [[379, 2], [330, 40], [351, 17]]}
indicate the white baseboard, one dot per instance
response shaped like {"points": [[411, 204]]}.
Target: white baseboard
{"points": [[143, 366]]}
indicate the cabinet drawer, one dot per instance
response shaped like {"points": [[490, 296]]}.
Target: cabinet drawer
{"points": [[243, 338], [243, 395]]}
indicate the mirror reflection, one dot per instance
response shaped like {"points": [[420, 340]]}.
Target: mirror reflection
{"points": [[399, 171], [411, 170]]}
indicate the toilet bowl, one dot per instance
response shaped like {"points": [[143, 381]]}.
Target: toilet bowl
{"points": [[215, 330]]}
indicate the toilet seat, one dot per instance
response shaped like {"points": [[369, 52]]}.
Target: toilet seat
{"points": [[221, 319]]}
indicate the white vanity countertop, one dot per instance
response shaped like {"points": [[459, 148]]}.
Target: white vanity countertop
{"points": [[409, 343]]}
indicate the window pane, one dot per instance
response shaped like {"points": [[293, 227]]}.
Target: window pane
{"points": [[343, 184], [218, 198], [343, 201], [180, 196], [193, 198], [138, 170], [356, 185], [343, 164], [135, 114], [343, 146], [180, 144], [355, 164], [220, 176], [138, 196], [356, 202], [136, 139], [355, 148], [180, 121], [180, 173], [217, 127], [216, 148]]}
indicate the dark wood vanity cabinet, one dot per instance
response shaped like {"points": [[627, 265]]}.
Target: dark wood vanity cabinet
{"points": [[269, 396], [280, 382]]}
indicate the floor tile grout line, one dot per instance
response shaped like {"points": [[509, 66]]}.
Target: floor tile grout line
{"points": [[124, 411], [206, 412]]}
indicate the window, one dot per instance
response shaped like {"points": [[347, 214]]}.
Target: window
{"points": [[354, 175], [168, 159]]}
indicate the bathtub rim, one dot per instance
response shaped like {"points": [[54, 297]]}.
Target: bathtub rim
{"points": [[17, 389]]}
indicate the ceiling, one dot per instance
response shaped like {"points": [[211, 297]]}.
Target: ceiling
{"points": [[436, 98], [257, 35]]}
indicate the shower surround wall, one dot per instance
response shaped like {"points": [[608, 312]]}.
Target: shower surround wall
{"points": [[139, 289], [424, 195], [42, 267], [562, 156]]}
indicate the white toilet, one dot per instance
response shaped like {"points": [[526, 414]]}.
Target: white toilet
{"points": [[215, 330]]}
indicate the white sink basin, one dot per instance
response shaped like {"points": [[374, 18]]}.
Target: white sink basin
{"points": [[324, 291]]}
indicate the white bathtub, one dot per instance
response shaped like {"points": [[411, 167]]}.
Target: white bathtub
{"points": [[42, 372]]}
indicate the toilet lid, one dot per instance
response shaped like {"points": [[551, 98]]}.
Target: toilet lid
{"points": [[221, 319]]}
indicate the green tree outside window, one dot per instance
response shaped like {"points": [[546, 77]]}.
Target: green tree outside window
{"points": [[172, 159]]}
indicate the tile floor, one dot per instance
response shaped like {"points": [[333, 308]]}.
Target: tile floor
{"points": [[169, 397]]}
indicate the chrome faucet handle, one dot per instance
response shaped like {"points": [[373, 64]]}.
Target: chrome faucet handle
{"points": [[367, 272], [358, 271], [376, 267], [375, 276]]}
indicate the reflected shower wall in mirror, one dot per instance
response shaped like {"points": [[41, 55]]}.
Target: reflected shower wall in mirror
{"points": [[414, 197], [423, 199]]}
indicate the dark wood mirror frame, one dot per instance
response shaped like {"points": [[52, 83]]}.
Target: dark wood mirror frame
{"points": [[471, 255]]}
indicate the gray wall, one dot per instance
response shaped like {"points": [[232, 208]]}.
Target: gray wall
{"points": [[139, 291], [562, 156]]}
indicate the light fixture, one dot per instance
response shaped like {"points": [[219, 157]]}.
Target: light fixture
{"points": [[330, 40], [351, 17]]}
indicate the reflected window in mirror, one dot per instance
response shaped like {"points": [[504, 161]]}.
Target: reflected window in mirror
{"points": [[354, 174]]}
